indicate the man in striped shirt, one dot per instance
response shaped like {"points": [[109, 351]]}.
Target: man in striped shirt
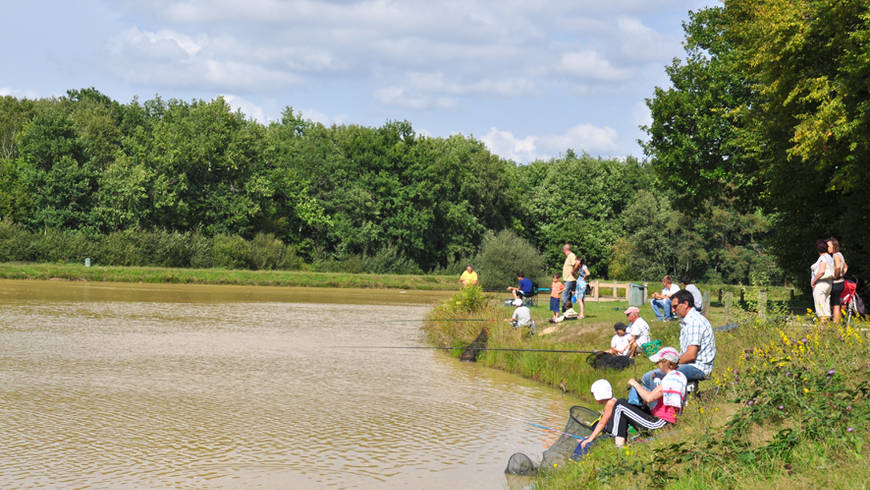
{"points": [[697, 345]]}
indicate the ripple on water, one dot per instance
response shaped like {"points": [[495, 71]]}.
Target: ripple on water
{"points": [[244, 394]]}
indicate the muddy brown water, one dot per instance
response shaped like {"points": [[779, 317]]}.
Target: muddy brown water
{"points": [[136, 385]]}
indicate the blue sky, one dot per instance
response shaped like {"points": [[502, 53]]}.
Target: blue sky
{"points": [[529, 78]]}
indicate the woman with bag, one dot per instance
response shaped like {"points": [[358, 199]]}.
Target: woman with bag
{"points": [[821, 281]]}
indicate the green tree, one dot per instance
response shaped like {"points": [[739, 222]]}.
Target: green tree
{"points": [[505, 254], [810, 128]]}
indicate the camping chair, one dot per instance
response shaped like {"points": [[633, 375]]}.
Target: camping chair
{"points": [[532, 299]]}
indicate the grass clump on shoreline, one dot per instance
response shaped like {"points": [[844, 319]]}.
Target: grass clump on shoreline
{"points": [[788, 404], [78, 272]]}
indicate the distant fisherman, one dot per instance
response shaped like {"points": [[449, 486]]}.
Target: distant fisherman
{"points": [[468, 277]]}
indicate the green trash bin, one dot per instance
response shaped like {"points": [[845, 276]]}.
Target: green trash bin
{"points": [[635, 294]]}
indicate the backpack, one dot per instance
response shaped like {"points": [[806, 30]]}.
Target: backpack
{"points": [[859, 305]]}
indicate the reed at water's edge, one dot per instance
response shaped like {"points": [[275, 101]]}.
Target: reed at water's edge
{"points": [[77, 272], [788, 403]]}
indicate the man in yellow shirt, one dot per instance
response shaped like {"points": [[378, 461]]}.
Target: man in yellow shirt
{"points": [[468, 277]]}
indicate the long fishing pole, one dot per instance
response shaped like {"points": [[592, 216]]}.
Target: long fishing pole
{"points": [[508, 349], [557, 431]]}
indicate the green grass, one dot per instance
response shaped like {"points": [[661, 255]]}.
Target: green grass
{"points": [[77, 272], [818, 439]]}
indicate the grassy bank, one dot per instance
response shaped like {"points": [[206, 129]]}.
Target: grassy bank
{"points": [[787, 405], [77, 272]]}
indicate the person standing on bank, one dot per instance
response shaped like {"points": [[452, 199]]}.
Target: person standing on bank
{"points": [[582, 282], [838, 282], [555, 294], [821, 280], [569, 277]]}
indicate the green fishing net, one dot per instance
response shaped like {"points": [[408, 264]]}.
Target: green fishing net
{"points": [[651, 347]]}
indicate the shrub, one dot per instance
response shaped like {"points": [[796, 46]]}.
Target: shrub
{"points": [[201, 251], [230, 252], [116, 248], [389, 260], [16, 243], [502, 256], [268, 252]]}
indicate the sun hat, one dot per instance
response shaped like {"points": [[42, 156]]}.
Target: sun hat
{"points": [[601, 390], [668, 353], [632, 309], [518, 302], [619, 326]]}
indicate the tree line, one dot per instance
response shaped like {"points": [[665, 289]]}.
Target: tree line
{"points": [[209, 187], [769, 111]]}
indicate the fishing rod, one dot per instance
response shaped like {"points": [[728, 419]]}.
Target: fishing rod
{"points": [[533, 424], [507, 349], [445, 320]]}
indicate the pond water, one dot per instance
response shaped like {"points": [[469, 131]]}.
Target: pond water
{"points": [[141, 385]]}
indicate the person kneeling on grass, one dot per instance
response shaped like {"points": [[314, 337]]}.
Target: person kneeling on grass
{"points": [[667, 399], [522, 316]]}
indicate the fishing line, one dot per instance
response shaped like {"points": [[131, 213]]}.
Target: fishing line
{"points": [[575, 436], [425, 347]]}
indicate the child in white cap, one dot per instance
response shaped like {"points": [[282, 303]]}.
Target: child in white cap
{"points": [[522, 316], [667, 400], [603, 393]]}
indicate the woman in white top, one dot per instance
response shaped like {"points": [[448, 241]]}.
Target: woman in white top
{"points": [[822, 281], [840, 268]]}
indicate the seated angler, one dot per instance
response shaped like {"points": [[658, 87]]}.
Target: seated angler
{"points": [[523, 289], [686, 283], [638, 330], [697, 346], [618, 415], [620, 344], [661, 302]]}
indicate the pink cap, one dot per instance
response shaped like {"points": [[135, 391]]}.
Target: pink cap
{"points": [[632, 309], [668, 353]]}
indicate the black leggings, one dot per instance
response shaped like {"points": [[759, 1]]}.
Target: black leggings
{"points": [[836, 290], [625, 414]]}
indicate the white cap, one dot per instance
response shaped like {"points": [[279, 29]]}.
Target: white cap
{"points": [[518, 302], [668, 353], [601, 390]]}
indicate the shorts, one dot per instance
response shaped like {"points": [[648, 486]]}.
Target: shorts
{"points": [[554, 304], [836, 290], [581, 290]]}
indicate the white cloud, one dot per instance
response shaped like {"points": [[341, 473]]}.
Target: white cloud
{"points": [[175, 59], [582, 137], [400, 97], [323, 118], [506, 145], [438, 83], [26, 94], [248, 108], [588, 65], [639, 42]]}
